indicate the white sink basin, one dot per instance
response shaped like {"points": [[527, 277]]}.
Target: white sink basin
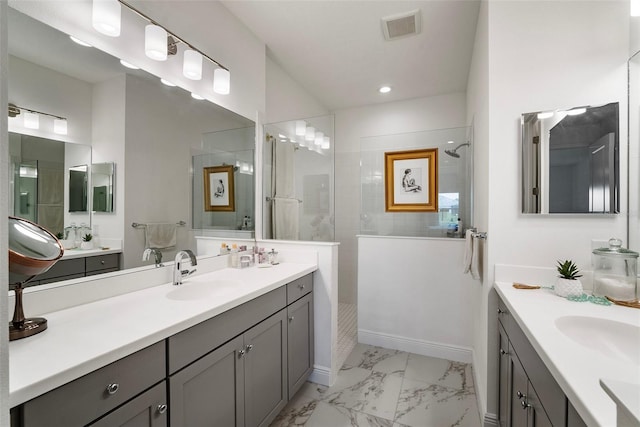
{"points": [[617, 340], [196, 288]]}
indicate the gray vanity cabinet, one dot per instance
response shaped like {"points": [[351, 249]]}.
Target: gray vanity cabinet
{"points": [[211, 390], [265, 370], [84, 400], [242, 383], [147, 410], [528, 395], [300, 342]]}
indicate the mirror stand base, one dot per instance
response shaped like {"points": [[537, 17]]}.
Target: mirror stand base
{"points": [[30, 327]]}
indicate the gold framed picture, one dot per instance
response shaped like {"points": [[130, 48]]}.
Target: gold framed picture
{"points": [[219, 189], [411, 180]]}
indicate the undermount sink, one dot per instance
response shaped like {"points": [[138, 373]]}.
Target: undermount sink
{"points": [[617, 340], [196, 288]]}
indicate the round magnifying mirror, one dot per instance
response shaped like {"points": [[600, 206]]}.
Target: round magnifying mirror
{"points": [[32, 251]]}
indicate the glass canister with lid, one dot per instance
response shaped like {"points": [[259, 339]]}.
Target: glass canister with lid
{"points": [[615, 272]]}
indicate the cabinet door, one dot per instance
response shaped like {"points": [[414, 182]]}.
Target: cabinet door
{"points": [[518, 397], [537, 416], [147, 410], [265, 370], [300, 342], [504, 391], [210, 391]]}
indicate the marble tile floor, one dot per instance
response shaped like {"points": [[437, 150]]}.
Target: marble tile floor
{"points": [[378, 387]]}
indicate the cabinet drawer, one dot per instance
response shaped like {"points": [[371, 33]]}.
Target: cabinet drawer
{"points": [[87, 398], [64, 267], [149, 409], [503, 314], [102, 262], [195, 342], [299, 288]]}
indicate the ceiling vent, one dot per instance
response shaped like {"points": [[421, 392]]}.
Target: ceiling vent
{"points": [[401, 25]]}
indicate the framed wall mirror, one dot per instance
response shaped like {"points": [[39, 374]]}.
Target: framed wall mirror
{"points": [[102, 183], [570, 161], [78, 182]]}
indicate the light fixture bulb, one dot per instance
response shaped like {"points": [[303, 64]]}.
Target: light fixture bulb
{"points": [[319, 138], [310, 133], [196, 96], [221, 81], [128, 65], [545, 115], [60, 126], [301, 127], [80, 42], [155, 42], [326, 143], [576, 111], [192, 64], [106, 17], [635, 8], [167, 82], [31, 120], [384, 89]]}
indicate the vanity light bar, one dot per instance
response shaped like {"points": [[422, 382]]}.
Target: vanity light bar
{"points": [[59, 123], [192, 67]]}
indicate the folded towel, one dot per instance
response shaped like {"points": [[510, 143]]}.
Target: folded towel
{"points": [[160, 235], [475, 259], [468, 251], [471, 262]]}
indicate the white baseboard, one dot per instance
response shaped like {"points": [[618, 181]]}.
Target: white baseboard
{"points": [[412, 345], [490, 420], [320, 375]]}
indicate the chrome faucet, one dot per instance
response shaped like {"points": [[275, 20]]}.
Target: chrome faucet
{"points": [[178, 272], [157, 254]]}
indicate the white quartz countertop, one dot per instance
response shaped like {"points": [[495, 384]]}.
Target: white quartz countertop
{"points": [[84, 338], [81, 253], [577, 368]]}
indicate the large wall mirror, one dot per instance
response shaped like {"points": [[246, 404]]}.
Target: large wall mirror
{"points": [[570, 161], [142, 134]]}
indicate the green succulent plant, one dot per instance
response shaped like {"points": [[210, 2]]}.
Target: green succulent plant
{"points": [[87, 237], [568, 270], [60, 235]]}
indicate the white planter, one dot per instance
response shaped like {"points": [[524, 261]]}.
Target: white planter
{"points": [[568, 287], [86, 245]]}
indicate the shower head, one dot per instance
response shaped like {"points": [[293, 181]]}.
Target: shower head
{"points": [[454, 152]]}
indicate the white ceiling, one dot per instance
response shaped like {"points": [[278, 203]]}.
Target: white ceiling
{"points": [[336, 49]]}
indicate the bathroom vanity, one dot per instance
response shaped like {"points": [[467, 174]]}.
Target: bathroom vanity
{"points": [[229, 347], [553, 355], [78, 263]]}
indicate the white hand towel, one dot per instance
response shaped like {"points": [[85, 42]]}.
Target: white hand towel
{"points": [[160, 235], [475, 259], [468, 251]]}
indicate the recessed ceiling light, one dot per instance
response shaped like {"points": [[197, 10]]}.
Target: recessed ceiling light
{"points": [[80, 42], [384, 89], [196, 96], [167, 82], [129, 65], [545, 115], [449, 142], [576, 111]]}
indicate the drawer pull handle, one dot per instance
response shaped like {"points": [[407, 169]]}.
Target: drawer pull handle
{"points": [[524, 404], [500, 311], [520, 395], [301, 287], [502, 352], [102, 262], [113, 388], [249, 348], [162, 408], [291, 318], [241, 353]]}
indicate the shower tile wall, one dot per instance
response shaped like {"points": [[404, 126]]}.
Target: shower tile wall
{"points": [[453, 177]]}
